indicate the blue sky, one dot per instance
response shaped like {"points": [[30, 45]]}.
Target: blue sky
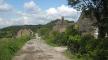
{"points": [[33, 12], [49, 3], [44, 4]]}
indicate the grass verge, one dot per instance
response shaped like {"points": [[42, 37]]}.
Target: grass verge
{"points": [[75, 56], [9, 46]]}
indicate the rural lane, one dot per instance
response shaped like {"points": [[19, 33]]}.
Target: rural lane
{"points": [[37, 49]]}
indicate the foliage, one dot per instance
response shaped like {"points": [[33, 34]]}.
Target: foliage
{"points": [[95, 48], [101, 50], [60, 39], [76, 56], [9, 46], [84, 47], [89, 47], [98, 8], [43, 31], [73, 40], [9, 32]]}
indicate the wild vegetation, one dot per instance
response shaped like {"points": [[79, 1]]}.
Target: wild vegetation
{"points": [[10, 46], [53, 37], [95, 48], [9, 43], [100, 10], [87, 46], [81, 47], [10, 32]]}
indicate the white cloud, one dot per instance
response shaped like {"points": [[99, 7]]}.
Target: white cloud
{"points": [[1, 2], [4, 7], [51, 11], [4, 23], [37, 15], [28, 18], [65, 11], [31, 7], [33, 14]]}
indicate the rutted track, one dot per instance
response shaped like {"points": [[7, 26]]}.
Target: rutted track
{"points": [[37, 49]]}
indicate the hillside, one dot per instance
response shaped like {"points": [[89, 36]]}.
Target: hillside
{"points": [[12, 30], [59, 25]]}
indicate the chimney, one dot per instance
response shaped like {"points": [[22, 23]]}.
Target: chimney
{"points": [[62, 20]]}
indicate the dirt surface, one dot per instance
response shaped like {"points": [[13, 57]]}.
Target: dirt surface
{"points": [[37, 49]]}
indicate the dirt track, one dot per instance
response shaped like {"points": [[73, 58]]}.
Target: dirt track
{"points": [[37, 49]]}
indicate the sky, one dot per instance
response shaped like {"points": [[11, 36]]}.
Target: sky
{"points": [[34, 12]]}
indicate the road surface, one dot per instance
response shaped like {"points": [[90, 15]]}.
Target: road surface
{"points": [[37, 49]]}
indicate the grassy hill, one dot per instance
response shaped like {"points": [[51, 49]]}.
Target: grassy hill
{"points": [[51, 31], [12, 30]]}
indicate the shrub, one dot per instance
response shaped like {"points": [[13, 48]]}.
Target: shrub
{"points": [[9, 46], [101, 51], [60, 39]]}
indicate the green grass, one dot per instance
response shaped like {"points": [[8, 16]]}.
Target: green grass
{"points": [[49, 42], [9, 46], [76, 56]]}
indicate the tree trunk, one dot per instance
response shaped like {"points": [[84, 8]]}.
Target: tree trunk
{"points": [[104, 22], [102, 19], [101, 32]]}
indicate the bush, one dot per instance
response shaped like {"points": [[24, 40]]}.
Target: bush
{"points": [[73, 43], [87, 46], [9, 46], [73, 39], [60, 39], [82, 46], [56, 38], [101, 51]]}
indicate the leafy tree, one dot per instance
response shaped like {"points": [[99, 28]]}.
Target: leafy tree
{"points": [[99, 8]]}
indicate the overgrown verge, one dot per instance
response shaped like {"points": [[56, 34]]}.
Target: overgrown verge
{"points": [[87, 46], [89, 49], [53, 38], [9, 46], [84, 47]]}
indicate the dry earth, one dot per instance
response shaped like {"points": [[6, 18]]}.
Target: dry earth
{"points": [[37, 49]]}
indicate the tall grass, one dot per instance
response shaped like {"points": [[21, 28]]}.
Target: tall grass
{"points": [[9, 46]]}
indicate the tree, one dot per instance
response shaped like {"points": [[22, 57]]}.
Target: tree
{"points": [[99, 8]]}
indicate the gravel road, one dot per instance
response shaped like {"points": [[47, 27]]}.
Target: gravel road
{"points": [[37, 49]]}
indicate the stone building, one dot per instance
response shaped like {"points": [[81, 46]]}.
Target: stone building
{"points": [[24, 32], [61, 25]]}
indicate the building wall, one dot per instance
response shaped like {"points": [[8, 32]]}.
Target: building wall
{"points": [[61, 25], [24, 32]]}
